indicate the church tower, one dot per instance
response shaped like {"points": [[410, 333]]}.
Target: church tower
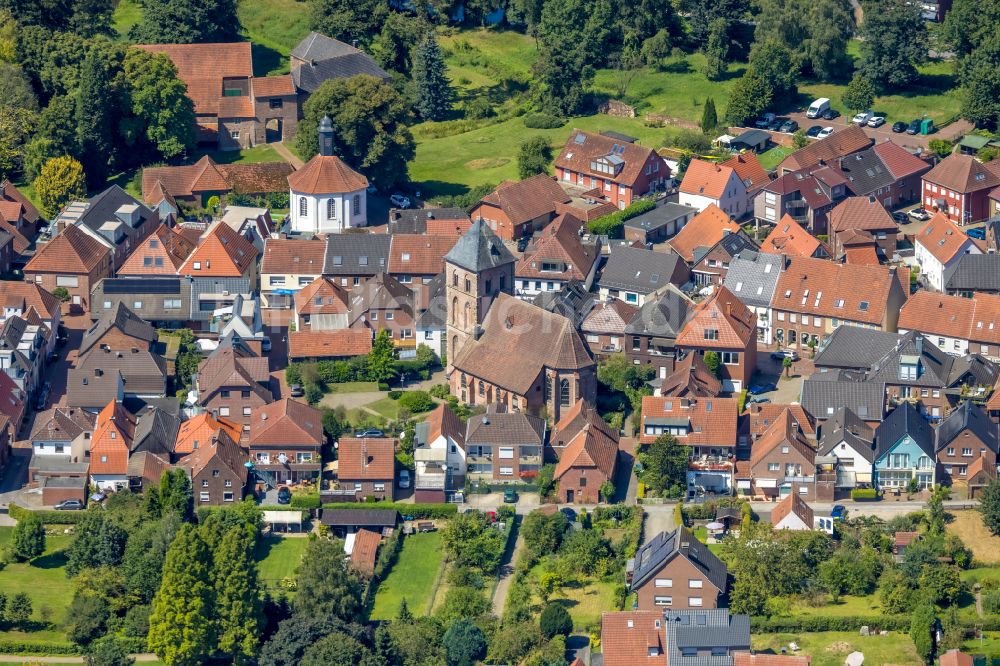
{"points": [[477, 269]]}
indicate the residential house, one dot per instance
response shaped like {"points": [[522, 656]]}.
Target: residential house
{"points": [[674, 570], [60, 443], [161, 253], [703, 231], [558, 256], [764, 414], [322, 305], [382, 303], [286, 266], [864, 215], [723, 325], [633, 638], [814, 297], [938, 248], [573, 301], [194, 184], [789, 238], [753, 280], [416, 259], [366, 467], [219, 475], [504, 447], [841, 143], [604, 327], [554, 369], [353, 258], [709, 426], [517, 209], [22, 353], [318, 58], [792, 513], [588, 458], [867, 176], [691, 378], [806, 196], [114, 430], [635, 275], [907, 170], [964, 437], [904, 450], [232, 382], [958, 187], [327, 195], [17, 210], [119, 329], [708, 183], [750, 171], [103, 375], [712, 264], [439, 453], [824, 393], [851, 440], [783, 462], [957, 325], [163, 301], [74, 260], [198, 431], [723, 637], [21, 298], [253, 222], [13, 403], [651, 335], [659, 224], [432, 322], [975, 274], [426, 222], [620, 169], [223, 265], [286, 442], [233, 108]]}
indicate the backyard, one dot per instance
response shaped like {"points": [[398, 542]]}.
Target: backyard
{"points": [[829, 648], [278, 558], [44, 580], [412, 577], [968, 526]]}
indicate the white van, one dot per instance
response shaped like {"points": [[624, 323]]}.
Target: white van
{"points": [[817, 108]]}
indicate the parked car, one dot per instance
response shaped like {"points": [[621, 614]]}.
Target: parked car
{"points": [[919, 214], [814, 130], [757, 389], [838, 512], [978, 233], [522, 243], [758, 400], [913, 127], [404, 478], [764, 121], [818, 108], [370, 432], [789, 126], [284, 495], [876, 121], [265, 344], [830, 114], [371, 189], [399, 201], [69, 505], [43, 396], [296, 391], [900, 217], [782, 354], [862, 117], [825, 132], [899, 127], [509, 496], [775, 125]]}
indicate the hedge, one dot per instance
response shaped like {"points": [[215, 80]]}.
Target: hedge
{"points": [[202, 512], [613, 224], [864, 494], [11, 646], [853, 623], [48, 517], [543, 121], [415, 510], [310, 501]]}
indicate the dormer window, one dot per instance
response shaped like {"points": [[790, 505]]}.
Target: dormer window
{"points": [[711, 334]]}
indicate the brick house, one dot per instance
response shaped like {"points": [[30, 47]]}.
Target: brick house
{"points": [[711, 267], [939, 248], [232, 382], [588, 457], [675, 570], [807, 197], [198, 430], [517, 209], [907, 170], [194, 184], [635, 275], [865, 215], [367, 467], [659, 224], [321, 305], [703, 231], [604, 327], [651, 335], [965, 436], [620, 169], [382, 303], [956, 325], [557, 257], [21, 298], [841, 143], [503, 446], [416, 259], [722, 324], [218, 472], [789, 238], [75, 261], [959, 186], [783, 461], [286, 441], [110, 446]]}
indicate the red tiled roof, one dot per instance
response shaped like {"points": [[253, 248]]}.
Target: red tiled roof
{"points": [[790, 239], [583, 147], [528, 199], [763, 415], [749, 659], [706, 179], [592, 447], [714, 421], [11, 193], [861, 213], [31, 296], [633, 638], [198, 431], [840, 143], [286, 421], [704, 230], [272, 86], [905, 538], [792, 504], [830, 289], [976, 319], [610, 317], [371, 458], [943, 238], [165, 244], [900, 162], [221, 448], [419, 254], [861, 256], [289, 256], [330, 344], [365, 547], [204, 66], [956, 658], [443, 421], [783, 431], [962, 173], [559, 243], [236, 107], [321, 296], [222, 252], [749, 170], [206, 175], [734, 323], [112, 440], [72, 251], [326, 174]]}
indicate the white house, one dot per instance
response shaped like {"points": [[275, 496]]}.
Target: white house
{"points": [[848, 438], [326, 195], [939, 248], [439, 454], [792, 513], [708, 183]]}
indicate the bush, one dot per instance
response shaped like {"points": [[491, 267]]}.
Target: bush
{"points": [[555, 620], [10, 646], [693, 142], [48, 517], [416, 401], [864, 494], [301, 501], [613, 225], [543, 121], [440, 391], [425, 511], [383, 386], [395, 394], [479, 108], [809, 623]]}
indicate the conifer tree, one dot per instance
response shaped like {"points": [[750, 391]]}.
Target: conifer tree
{"points": [[94, 103], [709, 116], [431, 89], [238, 607]]}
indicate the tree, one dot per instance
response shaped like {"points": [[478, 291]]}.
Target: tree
{"points": [[717, 49], [989, 506], [348, 20], [238, 607], [968, 25], [86, 618], [860, 94], [176, 494], [748, 98], [800, 140], [61, 180], [664, 467], [337, 649], [187, 22], [471, 541], [326, 588], [773, 61], [542, 534], [464, 643], [545, 481], [28, 539], [108, 651], [816, 33], [555, 620], [935, 512], [626, 64], [382, 358], [700, 14], [572, 35], [786, 364], [431, 89], [19, 609], [99, 541], [91, 18], [181, 629], [294, 636], [17, 89], [16, 125], [462, 602], [713, 362], [893, 42], [369, 122], [979, 74], [921, 631], [533, 157], [95, 117], [709, 117], [607, 490], [163, 120]]}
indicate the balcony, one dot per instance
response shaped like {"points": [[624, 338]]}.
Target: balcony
{"points": [[799, 479], [711, 464]]}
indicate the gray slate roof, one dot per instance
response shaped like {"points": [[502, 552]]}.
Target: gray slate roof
{"points": [[479, 249], [750, 279], [966, 416], [738, 244], [660, 216], [328, 58], [665, 546], [856, 348], [865, 172], [976, 272], [826, 392], [359, 517], [414, 220], [143, 372], [435, 316], [936, 369], [663, 317], [642, 271], [356, 254], [846, 426], [103, 207], [122, 318], [904, 420], [573, 301], [705, 629], [513, 428], [155, 431]]}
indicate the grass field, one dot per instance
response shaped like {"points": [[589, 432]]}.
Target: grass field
{"points": [[278, 557], [412, 578], [968, 526], [274, 27], [127, 14], [255, 155], [353, 387], [770, 159], [44, 580], [829, 648]]}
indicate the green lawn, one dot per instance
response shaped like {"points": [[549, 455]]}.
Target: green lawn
{"points": [[770, 159], [278, 557], [846, 605], [127, 14], [412, 578], [387, 407], [586, 603], [255, 155], [353, 387], [981, 574], [274, 27], [829, 648], [990, 644], [44, 580]]}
